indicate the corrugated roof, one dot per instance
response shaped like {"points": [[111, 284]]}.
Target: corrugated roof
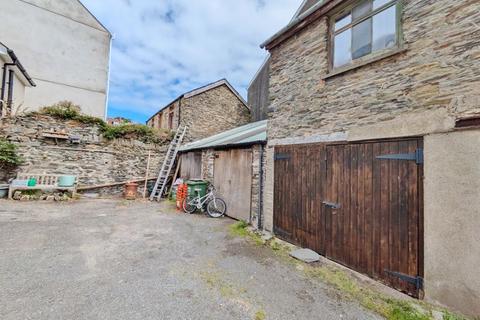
{"points": [[251, 133]]}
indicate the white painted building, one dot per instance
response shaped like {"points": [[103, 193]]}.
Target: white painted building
{"points": [[64, 49]]}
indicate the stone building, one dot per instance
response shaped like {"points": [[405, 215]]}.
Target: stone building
{"points": [[65, 49], [207, 111], [372, 160], [233, 162]]}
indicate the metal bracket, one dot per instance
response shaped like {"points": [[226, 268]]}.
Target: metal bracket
{"points": [[331, 205], [417, 281], [282, 156], [417, 156]]}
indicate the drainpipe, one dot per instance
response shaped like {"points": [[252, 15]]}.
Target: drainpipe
{"points": [[4, 83], [10, 90], [179, 113], [261, 182]]}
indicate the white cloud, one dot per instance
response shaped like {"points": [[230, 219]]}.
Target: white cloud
{"points": [[164, 48]]}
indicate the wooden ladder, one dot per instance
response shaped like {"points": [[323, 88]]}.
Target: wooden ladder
{"points": [[170, 157]]}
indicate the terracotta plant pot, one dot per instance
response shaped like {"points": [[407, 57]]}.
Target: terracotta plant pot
{"points": [[131, 191]]}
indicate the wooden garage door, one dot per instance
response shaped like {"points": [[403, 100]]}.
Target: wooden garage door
{"points": [[298, 211], [191, 166], [233, 181], [358, 204], [374, 211]]}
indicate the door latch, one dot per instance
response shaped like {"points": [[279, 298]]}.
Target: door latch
{"points": [[331, 205]]}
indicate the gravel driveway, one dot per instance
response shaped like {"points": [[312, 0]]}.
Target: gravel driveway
{"points": [[109, 259]]}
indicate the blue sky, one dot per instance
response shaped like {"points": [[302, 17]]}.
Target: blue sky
{"points": [[163, 48]]}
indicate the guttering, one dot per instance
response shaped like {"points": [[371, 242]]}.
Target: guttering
{"points": [[226, 146], [299, 23], [20, 67]]}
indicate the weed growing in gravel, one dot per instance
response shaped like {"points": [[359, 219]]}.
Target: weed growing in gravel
{"points": [[260, 315], [239, 229], [449, 316], [214, 281], [391, 309]]}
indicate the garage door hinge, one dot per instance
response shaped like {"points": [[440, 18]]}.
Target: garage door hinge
{"points": [[282, 156], [417, 156], [416, 281]]}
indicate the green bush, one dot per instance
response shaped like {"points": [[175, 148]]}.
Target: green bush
{"points": [[135, 131], [8, 155], [66, 110]]}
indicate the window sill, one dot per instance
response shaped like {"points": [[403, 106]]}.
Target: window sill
{"points": [[359, 64]]}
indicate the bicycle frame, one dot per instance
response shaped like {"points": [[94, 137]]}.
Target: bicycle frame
{"points": [[199, 202]]}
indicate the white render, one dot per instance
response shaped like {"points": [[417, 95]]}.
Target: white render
{"points": [[63, 47]]}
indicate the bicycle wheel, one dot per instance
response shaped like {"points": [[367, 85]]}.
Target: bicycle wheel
{"points": [[216, 208], [188, 205]]}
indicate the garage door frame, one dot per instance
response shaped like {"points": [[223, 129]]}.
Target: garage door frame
{"points": [[286, 158]]}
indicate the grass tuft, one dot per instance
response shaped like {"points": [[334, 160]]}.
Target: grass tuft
{"points": [[260, 315], [239, 229], [450, 316]]}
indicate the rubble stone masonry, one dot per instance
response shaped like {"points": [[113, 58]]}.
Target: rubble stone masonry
{"points": [[439, 69], [212, 112], [421, 90], [95, 160]]}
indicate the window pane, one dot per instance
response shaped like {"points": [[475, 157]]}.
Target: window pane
{"points": [[342, 22], [342, 48], [362, 39], [379, 3], [385, 29], [362, 9]]}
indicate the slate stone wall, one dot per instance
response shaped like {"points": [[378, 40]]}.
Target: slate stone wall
{"points": [[258, 169], [420, 91], [161, 119], [212, 112], [440, 69], [95, 160], [208, 164]]}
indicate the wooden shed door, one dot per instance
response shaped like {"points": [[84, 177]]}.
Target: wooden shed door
{"points": [[373, 210], [233, 181], [299, 191], [191, 166]]}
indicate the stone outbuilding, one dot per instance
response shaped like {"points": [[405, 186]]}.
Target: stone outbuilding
{"points": [[374, 141], [233, 162], [65, 49], [206, 111]]}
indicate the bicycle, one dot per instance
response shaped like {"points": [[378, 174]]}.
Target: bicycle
{"points": [[216, 207]]}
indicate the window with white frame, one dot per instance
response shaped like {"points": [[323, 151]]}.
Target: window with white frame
{"points": [[365, 28]]}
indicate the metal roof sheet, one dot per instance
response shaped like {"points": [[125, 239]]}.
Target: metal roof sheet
{"points": [[248, 134]]}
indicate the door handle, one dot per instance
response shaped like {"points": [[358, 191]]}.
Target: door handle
{"points": [[332, 205]]}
